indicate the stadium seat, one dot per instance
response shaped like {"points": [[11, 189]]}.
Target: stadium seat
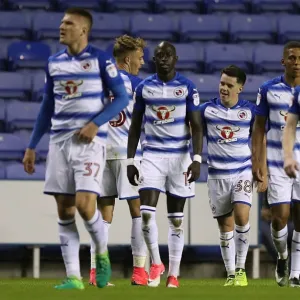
{"points": [[14, 25], [28, 55], [202, 28], [129, 5], [107, 26], [21, 115], [287, 31], [218, 56], [88, 4], [38, 82], [46, 25], [11, 147], [16, 171], [187, 57], [3, 51], [153, 27], [177, 5], [226, 5], [43, 147], [2, 114], [251, 87], [2, 170], [207, 85], [274, 6], [30, 4], [250, 28], [14, 85], [267, 58]]}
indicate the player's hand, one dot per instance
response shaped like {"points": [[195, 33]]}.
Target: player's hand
{"points": [[262, 186], [291, 167], [257, 172], [193, 171], [87, 133], [133, 175], [29, 160]]}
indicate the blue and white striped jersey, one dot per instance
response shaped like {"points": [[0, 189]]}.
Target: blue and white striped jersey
{"points": [[118, 128], [273, 101], [165, 105], [228, 133], [78, 85]]}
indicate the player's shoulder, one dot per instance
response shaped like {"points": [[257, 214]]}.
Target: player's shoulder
{"points": [[297, 89], [210, 103], [58, 55], [184, 80], [130, 77], [271, 82], [246, 104]]}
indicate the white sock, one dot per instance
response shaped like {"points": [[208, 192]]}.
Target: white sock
{"points": [[150, 232], [280, 241], [227, 246], [241, 239], [69, 245], [93, 247], [175, 242], [138, 245], [96, 229], [295, 255]]}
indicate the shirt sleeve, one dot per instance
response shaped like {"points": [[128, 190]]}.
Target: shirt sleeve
{"points": [[193, 98], [294, 108], [139, 101], [262, 106]]}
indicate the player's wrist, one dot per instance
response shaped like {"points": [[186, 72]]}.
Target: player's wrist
{"points": [[130, 161], [198, 158]]}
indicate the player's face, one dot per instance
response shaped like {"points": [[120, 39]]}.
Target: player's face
{"points": [[291, 62], [136, 61], [72, 28], [229, 88], [165, 59]]}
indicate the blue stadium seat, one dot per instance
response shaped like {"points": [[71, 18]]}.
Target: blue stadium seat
{"points": [[21, 115], [88, 4], [177, 5], [30, 4], [38, 83], [16, 171], [14, 85], [207, 85], [129, 5], [2, 114], [218, 56], [274, 6], [187, 57], [28, 55], [11, 147], [202, 28], [203, 173], [2, 170], [14, 25], [153, 27], [3, 52], [46, 25], [250, 28], [287, 31], [266, 58], [251, 87], [107, 26], [226, 5]]}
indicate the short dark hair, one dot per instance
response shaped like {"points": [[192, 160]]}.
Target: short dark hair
{"points": [[125, 43], [81, 12], [290, 45], [235, 71]]}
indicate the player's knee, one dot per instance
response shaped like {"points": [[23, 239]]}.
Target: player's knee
{"points": [[176, 224], [241, 220], [279, 221], [66, 213], [145, 218]]}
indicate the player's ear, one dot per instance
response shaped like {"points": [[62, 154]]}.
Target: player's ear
{"points": [[241, 88], [127, 60], [282, 62]]}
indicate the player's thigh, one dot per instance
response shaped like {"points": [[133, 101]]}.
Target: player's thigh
{"points": [[219, 194], [126, 191], [175, 204], [153, 174], [177, 180], [108, 186], [59, 177], [88, 162], [242, 187], [279, 190]]}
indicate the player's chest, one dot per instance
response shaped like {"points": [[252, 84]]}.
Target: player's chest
{"points": [[219, 115]]}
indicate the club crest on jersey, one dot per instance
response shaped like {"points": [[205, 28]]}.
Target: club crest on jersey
{"points": [[242, 115], [86, 65], [71, 87], [227, 134], [178, 92], [163, 113]]}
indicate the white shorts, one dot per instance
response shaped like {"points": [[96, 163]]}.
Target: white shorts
{"points": [[72, 166], [224, 193], [167, 175], [282, 190], [115, 181]]}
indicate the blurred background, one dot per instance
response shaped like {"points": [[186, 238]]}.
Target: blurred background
{"points": [[208, 36]]}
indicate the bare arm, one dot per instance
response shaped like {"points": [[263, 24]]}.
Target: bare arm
{"points": [[289, 135], [197, 131]]}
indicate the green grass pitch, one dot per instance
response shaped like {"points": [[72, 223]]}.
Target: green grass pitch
{"points": [[202, 289]]}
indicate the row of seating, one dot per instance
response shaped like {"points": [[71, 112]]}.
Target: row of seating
{"points": [[158, 5], [184, 27], [199, 58]]}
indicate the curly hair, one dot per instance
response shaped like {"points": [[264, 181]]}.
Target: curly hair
{"points": [[125, 44]]}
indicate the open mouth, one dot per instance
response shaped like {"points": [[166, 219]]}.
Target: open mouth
{"points": [[224, 94]]}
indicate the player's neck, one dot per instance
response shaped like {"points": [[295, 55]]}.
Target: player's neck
{"points": [[123, 67], [291, 81], [77, 48], [166, 77], [230, 103]]}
